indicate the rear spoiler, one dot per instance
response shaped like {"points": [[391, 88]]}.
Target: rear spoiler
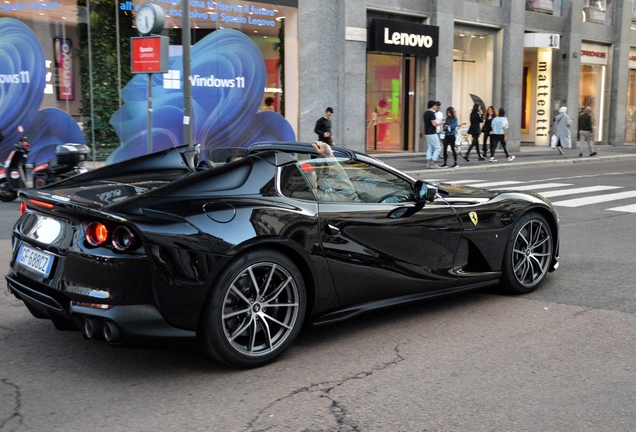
{"points": [[183, 158]]}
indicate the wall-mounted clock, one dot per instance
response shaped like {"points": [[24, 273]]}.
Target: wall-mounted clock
{"points": [[149, 19]]}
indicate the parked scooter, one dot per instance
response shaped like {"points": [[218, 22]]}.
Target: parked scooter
{"points": [[16, 175]]}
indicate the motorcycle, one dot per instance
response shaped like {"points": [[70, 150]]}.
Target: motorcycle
{"points": [[69, 161]]}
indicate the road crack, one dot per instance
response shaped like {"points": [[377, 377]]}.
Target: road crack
{"points": [[17, 407], [337, 409]]}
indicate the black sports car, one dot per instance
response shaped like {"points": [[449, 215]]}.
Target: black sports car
{"points": [[241, 254]]}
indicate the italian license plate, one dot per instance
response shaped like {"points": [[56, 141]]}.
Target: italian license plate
{"points": [[35, 260]]}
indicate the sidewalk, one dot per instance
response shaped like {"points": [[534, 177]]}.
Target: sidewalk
{"points": [[414, 163]]}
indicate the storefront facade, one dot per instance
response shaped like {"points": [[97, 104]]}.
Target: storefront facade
{"points": [[396, 52], [315, 54]]}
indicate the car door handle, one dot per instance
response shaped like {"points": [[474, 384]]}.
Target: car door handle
{"points": [[332, 230]]}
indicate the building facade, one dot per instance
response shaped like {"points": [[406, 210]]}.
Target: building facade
{"points": [[531, 57], [376, 62]]}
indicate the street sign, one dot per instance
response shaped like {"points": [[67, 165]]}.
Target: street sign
{"points": [[542, 40], [149, 54]]}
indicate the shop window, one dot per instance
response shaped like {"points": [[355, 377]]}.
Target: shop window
{"points": [[79, 52], [473, 70], [630, 121], [591, 91], [597, 11], [543, 6], [488, 2]]}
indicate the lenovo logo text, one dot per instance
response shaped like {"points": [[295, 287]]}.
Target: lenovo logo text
{"points": [[407, 39]]}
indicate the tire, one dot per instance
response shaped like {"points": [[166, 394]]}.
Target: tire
{"points": [[528, 255], [6, 193], [255, 311]]}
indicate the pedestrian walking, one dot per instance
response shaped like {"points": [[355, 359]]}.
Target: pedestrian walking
{"points": [[476, 118], [439, 116], [269, 104], [490, 115], [323, 127], [499, 134], [562, 129], [450, 128], [586, 128], [431, 135]]}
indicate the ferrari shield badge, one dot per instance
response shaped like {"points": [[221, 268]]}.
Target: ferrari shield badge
{"points": [[473, 217]]}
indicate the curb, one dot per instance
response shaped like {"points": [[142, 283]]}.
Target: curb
{"points": [[503, 165]]}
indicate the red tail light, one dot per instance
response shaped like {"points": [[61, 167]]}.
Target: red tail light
{"points": [[41, 204], [96, 234], [22, 208]]}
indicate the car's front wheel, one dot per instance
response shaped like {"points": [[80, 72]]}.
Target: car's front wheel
{"points": [[528, 254], [255, 311]]}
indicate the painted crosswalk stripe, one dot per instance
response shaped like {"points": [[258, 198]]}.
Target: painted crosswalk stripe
{"points": [[577, 202], [492, 184], [537, 186], [550, 194], [626, 209], [456, 182]]}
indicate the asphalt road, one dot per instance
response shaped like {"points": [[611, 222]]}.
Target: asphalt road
{"points": [[559, 359]]}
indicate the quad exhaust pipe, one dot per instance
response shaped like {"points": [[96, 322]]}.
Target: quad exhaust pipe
{"points": [[108, 331], [111, 332], [90, 326]]}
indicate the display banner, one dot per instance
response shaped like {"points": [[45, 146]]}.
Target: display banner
{"points": [[594, 54], [63, 51], [543, 93], [228, 79], [23, 70], [632, 58], [403, 37]]}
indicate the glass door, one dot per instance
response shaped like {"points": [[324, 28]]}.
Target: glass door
{"points": [[390, 103]]}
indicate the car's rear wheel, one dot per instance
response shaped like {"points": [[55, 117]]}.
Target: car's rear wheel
{"points": [[255, 310], [528, 254]]}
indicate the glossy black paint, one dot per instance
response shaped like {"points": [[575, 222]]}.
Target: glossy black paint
{"points": [[191, 225]]}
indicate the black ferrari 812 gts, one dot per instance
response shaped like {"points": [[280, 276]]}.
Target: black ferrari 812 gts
{"points": [[238, 256]]}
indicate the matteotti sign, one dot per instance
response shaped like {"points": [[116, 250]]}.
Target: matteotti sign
{"points": [[403, 37]]}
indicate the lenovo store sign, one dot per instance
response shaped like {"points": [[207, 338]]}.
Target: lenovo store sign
{"points": [[403, 37]]}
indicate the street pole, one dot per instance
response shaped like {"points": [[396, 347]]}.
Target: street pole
{"points": [[187, 86], [149, 145]]}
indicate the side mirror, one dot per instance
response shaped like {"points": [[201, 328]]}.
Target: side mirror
{"points": [[424, 193]]}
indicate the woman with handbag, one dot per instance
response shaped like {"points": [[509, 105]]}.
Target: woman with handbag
{"points": [[562, 130], [476, 118]]}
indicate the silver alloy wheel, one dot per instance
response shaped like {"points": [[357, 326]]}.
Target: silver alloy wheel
{"points": [[260, 309], [531, 253]]}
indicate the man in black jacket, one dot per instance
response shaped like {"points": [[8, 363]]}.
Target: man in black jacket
{"points": [[323, 127]]}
